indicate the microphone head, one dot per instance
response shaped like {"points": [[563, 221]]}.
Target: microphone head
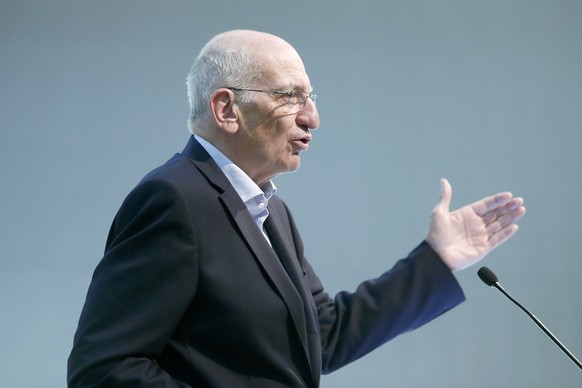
{"points": [[487, 276]]}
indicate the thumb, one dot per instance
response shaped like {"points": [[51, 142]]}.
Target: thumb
{"points": [[444, 202]]}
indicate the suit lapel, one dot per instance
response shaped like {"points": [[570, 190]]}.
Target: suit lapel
{"points": [[283, 273], [267, 258]]}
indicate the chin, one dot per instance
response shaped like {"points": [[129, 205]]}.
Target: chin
{"points": [[290, 169], [291, 164], [295, 163]]}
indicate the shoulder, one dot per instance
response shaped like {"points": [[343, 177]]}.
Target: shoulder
{"points": [[174, 186]]}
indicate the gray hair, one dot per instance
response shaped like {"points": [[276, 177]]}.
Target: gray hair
{"points": [[219, 65]]}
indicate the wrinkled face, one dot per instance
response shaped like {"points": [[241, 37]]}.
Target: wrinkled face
{"points": [[273, 132]]}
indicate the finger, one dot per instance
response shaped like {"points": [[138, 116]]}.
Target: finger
{"points": [[485, 205], [502, 236], [501, 211], [444, 202], [506, 220], [498, 225]]}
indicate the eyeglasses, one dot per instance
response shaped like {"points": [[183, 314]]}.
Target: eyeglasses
{"points": [[294, 97]]}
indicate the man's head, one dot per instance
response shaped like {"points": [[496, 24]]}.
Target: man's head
{"points": [[261, 131]]}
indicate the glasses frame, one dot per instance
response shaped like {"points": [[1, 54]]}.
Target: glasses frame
{"points": [[290, 94]]}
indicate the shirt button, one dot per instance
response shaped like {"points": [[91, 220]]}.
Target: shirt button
{"points": [[261, 205]]}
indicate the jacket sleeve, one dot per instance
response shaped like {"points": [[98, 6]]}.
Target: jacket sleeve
{"points": [[139, 291], [416, 290]]}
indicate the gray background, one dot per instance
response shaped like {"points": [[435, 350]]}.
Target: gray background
{"points": [[485, 93]]}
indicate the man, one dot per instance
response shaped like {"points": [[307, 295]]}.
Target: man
{"points": [[204, 282]]}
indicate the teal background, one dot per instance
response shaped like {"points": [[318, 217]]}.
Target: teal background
{"points": [[485, 93]]}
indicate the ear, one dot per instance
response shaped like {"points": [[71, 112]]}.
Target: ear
{"points": [[224, 111]]}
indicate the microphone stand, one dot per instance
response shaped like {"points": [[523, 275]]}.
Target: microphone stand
{"points": [[540, 324]]}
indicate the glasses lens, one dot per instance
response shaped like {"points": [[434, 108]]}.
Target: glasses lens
{"points": [[313, 97], [300, 97]]}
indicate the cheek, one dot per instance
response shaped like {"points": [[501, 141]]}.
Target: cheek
{"points": [[275, 137], [279, 148]]}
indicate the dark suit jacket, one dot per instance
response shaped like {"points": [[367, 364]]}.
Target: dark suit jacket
{"points": [[189, 293]]}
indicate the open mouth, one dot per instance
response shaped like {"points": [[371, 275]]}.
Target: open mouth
{"points": [[302, 143]]}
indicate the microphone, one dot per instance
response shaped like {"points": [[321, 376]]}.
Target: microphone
{"points": [[490, 279]]}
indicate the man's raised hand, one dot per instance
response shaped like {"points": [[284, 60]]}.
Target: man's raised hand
{"points": [[464, 236]]}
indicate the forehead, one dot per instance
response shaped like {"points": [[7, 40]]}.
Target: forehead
{"points": [[280, 79], [284, 69]]}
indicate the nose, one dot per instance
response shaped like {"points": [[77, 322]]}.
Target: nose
{"points": [[308, 115]]}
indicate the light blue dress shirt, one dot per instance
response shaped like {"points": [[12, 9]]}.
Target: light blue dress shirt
{"points": [[254, 197]]}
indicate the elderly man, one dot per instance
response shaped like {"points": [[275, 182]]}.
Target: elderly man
{"points": [[204, 281]]}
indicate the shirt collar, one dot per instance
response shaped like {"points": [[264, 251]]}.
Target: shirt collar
{"points": [[245, 187]]}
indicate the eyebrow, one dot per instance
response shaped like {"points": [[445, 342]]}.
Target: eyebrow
{"points": [[290, 87]]}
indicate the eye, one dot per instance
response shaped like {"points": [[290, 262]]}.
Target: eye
{"points": [[294, 97], [297, 97]]}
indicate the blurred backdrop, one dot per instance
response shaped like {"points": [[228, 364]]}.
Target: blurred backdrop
{"points": [[485, 93]]}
